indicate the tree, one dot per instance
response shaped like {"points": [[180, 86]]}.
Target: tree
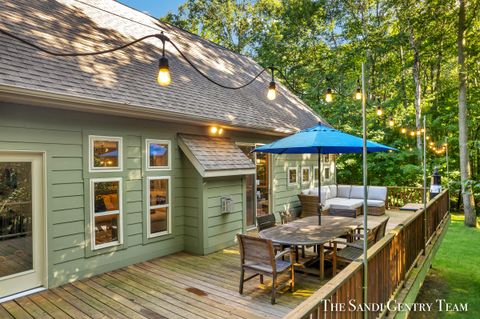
{"points": [[465, 174]]}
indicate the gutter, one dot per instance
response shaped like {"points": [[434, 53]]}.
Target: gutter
{"points": [[79, 103]]}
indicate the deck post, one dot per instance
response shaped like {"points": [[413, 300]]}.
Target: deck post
{"points": [[365, 192], [425, 185]]}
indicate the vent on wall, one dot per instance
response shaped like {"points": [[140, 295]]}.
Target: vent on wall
{"points": [[226, 205]]}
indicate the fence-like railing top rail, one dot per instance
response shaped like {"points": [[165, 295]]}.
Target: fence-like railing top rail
{"points": [[326, 291]]}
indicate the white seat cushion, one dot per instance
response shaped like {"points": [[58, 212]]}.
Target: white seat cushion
{"points": [[343, 191], [344, 203], [356, 192], [305, 192], [375, 203], [377, 193], [312, 191], [333, 191]]}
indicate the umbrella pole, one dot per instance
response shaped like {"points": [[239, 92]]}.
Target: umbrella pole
{"points": [[319, 173]]}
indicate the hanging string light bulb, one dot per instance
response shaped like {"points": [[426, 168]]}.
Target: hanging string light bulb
{"points": [[391, 122], [328, 95], [358, 92], [412, 133], [272, 88], [403, 130], [163, 78]]}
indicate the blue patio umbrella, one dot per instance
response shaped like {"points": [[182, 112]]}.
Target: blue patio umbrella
{"points": [[321, 139]]}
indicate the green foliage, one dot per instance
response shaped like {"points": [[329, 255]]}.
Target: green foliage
{"points": [[311, 41]]}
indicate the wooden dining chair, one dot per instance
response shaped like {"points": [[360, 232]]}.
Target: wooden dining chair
{"points": [[354, 250], [266, 221], [257, 255]]}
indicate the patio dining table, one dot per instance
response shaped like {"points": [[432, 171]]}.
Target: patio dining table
{"points": [[307, 232]]}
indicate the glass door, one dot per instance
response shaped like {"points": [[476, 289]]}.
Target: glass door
{"points": [[251, 188], [263, 185], [21, 223], [258, 185]]}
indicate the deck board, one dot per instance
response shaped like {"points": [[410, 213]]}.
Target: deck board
{"points": [[175, 286]]}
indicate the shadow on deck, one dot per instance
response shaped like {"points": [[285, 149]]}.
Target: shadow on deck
{"points": [[176, 286]]}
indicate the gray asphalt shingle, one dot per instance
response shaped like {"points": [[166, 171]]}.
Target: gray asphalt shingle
{"points": [[129, 76]]}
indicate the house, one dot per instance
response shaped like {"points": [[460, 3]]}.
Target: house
{"points": [[100, 167]]}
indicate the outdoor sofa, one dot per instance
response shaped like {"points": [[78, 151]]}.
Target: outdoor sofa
{"points": [[343, 200]]}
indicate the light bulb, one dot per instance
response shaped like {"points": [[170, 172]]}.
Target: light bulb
{"points": [[358, 94], [419, 132], [412, 133], [213, 130], [328, 95], [272, 91], [391, 122], [220, 131], [404, 130], [379, 111], [163, 77]]}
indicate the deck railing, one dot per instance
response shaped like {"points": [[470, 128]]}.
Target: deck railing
{"points": [[389, 263], [397, 196]]}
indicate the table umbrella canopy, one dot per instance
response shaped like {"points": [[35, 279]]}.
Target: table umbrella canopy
{"points": [[321, 139]]}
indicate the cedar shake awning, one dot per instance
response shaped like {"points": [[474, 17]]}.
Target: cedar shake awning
{"points": [[215, 156]]}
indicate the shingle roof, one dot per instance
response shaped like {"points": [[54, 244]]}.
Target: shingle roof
{"points": [[214, 153], [128, 76]]}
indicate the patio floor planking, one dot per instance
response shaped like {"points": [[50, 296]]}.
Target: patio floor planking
{"points": [[175, 286]]}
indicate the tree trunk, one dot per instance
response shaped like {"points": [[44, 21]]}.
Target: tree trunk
{"points": [[404, 86], [418, 91], [465, 174]]}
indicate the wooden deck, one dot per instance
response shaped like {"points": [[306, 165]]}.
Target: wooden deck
{"points": [[175, 286]]}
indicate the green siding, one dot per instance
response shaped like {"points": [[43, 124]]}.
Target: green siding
{"points": [[221, 229], [284, 195], [197, 223]]}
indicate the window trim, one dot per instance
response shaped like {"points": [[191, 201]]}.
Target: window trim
{"points": [[91, 141], [309, 176], [327, 169], [326, 158], [147, 153], [169, 207], [288, 176], [315, 176], [118, 212]]}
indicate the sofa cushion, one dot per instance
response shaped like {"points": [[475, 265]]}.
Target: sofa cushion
{"points": [[333, 191], [306, 191], [356, 192], [343, 191], [344, 203], [377, 193], [375, 203]]}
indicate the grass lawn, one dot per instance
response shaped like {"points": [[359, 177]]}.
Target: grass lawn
{"points": [[455, 275]]}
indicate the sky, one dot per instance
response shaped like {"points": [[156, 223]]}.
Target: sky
{"points": [[156, 8]]}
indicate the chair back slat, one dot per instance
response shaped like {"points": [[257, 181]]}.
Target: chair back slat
{"points": [[381, 230], [266, 221], [256, 250]]}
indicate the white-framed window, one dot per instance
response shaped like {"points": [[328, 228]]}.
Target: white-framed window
{"points": [[159, 212], [292, 176], [305, 175], [326, 158], [105, 153], [158, 154], [106, 212], [327, 173], [315, 173]]}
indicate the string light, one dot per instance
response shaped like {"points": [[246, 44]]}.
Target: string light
{"points": [[163, 78], [391, 122], [403, 130], [328, 95], [272, 88], [379, 111], [412, 133], [358, 92]]}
